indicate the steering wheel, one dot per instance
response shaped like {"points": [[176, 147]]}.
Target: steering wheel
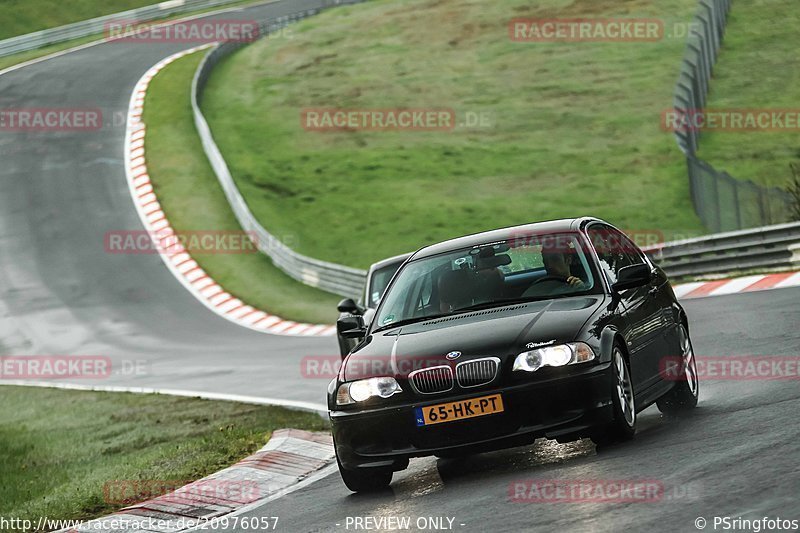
{"points": [[562, 279]]}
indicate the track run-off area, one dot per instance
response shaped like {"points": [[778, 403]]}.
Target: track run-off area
{"points": [[62, 293]]}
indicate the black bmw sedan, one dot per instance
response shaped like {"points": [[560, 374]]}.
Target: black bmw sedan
{"points": [[562, 329]]}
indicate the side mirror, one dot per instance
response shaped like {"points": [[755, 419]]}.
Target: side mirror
{"points": [[351, 327], [632, 276], [348, 305]]}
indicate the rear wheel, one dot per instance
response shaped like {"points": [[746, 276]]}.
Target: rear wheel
{"points": [[365, 479], [623, 426], [683, 396]]}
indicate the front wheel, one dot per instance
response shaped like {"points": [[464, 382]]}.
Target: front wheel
{"points": [[365, 479], [623, 427], [683, 396]]}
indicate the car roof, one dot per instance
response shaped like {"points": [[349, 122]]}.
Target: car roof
{"points": [[502, 234], [389, 261]]}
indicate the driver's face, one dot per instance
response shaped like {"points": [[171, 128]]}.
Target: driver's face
{"points": [[556, 264]]}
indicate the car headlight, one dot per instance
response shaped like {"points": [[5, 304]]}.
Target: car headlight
{"points": [[561, 355], [359, 391]]}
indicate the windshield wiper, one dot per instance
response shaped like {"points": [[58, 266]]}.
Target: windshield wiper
{"points": [[408, 321], [496, 303], [459, 311]]}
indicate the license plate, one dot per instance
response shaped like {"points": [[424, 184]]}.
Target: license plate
{"points": [[450, 412]]}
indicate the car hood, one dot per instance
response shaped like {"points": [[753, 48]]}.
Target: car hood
{"points": [[501, 332]]}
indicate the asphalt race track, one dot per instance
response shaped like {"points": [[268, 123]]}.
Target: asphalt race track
{"points": [[736, 455], [61, 293]]}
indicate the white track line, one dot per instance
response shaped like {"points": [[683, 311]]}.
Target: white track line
{"points": [[177, 260], [107, 40], [685, 288], [255, 400], [793, 281], [320, 474], [736, 285]]}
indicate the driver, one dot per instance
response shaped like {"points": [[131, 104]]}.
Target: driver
{"points": [[453, 290], [557, 266], [558, 280]]}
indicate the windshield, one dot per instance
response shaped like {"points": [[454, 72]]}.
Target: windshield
{"points": [[494, 274], [380, 279]]}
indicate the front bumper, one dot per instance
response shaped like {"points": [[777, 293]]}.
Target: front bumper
{"points": [[561, 407]]}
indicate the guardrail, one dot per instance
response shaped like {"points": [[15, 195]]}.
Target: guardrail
{"points": [[338, 279], [759, 249], [85, 28], [722, 202], [773, 247]]}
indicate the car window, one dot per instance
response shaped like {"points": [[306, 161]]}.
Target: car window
{"points": [[487, 275], [380, 280], [523, 259], [614, 250]]}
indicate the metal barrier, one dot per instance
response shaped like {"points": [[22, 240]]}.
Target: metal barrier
{"points": [[770, 248], [725, 203], [759, 249], [338, 279], [95, 26], [722, 202]]}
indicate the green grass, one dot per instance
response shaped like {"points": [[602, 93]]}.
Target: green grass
{"points": [[193, 200], [7, 61], [18, 17], [757, 69], [576, 126], [58, 449]]}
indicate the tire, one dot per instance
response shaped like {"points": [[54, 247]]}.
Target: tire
{"points": [[683, 396], [623, 427], [365, 479]]}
